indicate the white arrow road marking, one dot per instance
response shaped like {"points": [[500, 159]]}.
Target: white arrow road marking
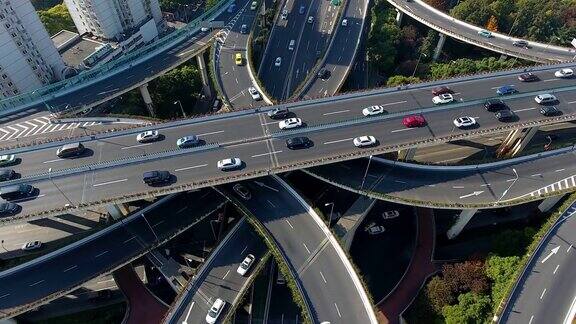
{"points": [[33, 128], [552, 252], [475, 193], [5, 133]]}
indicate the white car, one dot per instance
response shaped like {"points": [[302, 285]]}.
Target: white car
{"points": [[254, 93], [390, 214], [376, 230], [443, 99], [564, 73], [344, 22], [215, 311], [284, 14], [545, 98], [463, 122], [229, 164], [246, 264], [364, 141], [32, 245], [148, 136], [310, 19], [290, 123], [278, 61], [204, 29], [373, 110]]}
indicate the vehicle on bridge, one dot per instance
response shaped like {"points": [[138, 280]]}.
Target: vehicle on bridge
{"points": [[215, 311], [506, 90], [279, 113], [550, 111], [545, 98], [32, 245], [521, 43], [564, 73], [7, 159], [485, 33], [373, 110], [464, 122], [443, 99], [238, 59], [253, 5], [290, 123], [7, 174], [505, 115], [528, 77], [8, 209], [229, 164], [156, 177], [19, 191], [493, 105], [441, 90], [364, 141], [71, 150], [188, 141], [148, 136], [414, 121], [246, 264], [300, 142], [254, 93]]}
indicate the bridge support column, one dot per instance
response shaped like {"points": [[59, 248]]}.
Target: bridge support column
{"points": [[204, 74], [463, 219], [439, 47], [548, 203], [516, 141], [117, 211], [399, 16], [147, 99], [406, 154]]}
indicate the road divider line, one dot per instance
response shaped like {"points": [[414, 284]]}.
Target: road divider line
{"points": [[323, 278], [226, 275], [135, 146], [556, 269], [71, 268], [109, 182], [191, 167], [338, 141], [289, 224], [266, 154], [306, 247], [393, 103], [100, 254], [37, 283], [336, 112], [402, 130], [543, 292], [525, 109], [211, 133]]}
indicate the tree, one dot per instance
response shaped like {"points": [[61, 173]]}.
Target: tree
{"points": [[512, 242], [438, 4], [56, 19], [397, 80], [501, 271], [439, 294], [492, 24], [471, 309], [466, 276], [182, 83]]}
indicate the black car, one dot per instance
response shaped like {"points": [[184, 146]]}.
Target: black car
{"points": [[7, 174], [528, 77], [323, 74], [156, 177], [521, 43], [18, 191], [505, 115], [297, 143], [549, 111], [7, 209], [495, 105], [279, 113]]}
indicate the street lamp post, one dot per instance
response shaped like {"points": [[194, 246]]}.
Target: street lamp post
{"points": [[5, 249], [181, 108], [70, 204], [331, 204], [418, 62], [509, 187], [152, 229], [365, 173]]}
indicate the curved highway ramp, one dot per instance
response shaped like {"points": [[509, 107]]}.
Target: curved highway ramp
{"points": [[34, 283]]}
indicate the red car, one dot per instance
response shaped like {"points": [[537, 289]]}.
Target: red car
{"points": [[441, 90], [414, 121]]}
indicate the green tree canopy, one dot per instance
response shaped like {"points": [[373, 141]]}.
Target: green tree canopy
{"points": [[56, 18], [397, 80], [471, 309]]}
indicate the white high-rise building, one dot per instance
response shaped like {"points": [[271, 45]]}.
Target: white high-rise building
{"points": [[28, 57], [113, 19]]}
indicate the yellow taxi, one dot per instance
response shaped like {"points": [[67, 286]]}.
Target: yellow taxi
{"points": [[238, 58]]}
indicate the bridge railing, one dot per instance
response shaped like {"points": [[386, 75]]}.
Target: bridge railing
{"points": [[51, 91]]}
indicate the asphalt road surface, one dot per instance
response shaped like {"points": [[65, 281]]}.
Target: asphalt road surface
{"points": [[327, 284], [547, 290], [219, 278], [500, 42], [99, 253]]}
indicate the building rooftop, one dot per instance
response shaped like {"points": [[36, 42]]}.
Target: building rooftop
{"points": [[73, 47]]}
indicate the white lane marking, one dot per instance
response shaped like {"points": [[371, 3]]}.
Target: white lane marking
{"points": [[571, 102], [525, 109], [555, 269], [400, 181], [24, 199], [457, 187], [128, 240], [403, 130], [226, 275], [100, 254], [134, 146], [211, 133], [160, 222], [52, 161], [543, 292], [485, 185], [36, 283], [290, 224], [559, 170], [243, 250], [338, 310], [306, 247], [336, 112], [71, 268], [4, 296], [109, 182], [188, 314], [569, 248], [548, 80], [393, 103], [338, 141], [510, 180], [536, 175], [323, 278], [271, 204], [531, 319], [265, 154], [191, 167], [269, 123]]}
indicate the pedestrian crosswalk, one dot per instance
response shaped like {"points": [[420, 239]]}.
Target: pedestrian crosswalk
{"points": [[563, 184], [36, 127]]}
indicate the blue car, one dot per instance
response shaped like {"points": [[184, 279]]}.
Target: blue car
{"points": [[506, 90]]}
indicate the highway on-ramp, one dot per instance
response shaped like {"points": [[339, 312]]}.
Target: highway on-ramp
{"points": [[329, 282], [546, 292]]}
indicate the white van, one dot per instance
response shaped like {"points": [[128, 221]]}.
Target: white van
{"points": [[291, 45], [215, 311]]}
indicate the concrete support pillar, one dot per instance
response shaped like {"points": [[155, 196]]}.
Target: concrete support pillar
{"points": [[204, 74], [399, 16], [117, 211], [548, 203], [516, 141], [406, 154], [147, 99], [439, 47], [463, 219]]}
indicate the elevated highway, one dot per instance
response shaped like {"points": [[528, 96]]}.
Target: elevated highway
{"points": [[500, 43], [113, 168], [53, 275]]}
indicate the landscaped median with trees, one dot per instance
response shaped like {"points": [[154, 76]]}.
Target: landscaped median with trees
{"points": [[475, 290]]}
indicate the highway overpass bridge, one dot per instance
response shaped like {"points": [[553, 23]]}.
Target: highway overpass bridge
{"points": [[112, 169], [500, 43]]}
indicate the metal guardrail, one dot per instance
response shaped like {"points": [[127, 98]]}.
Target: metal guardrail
{"points": [[108, 69]]}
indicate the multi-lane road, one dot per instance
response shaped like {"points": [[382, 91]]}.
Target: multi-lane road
{"points": [[546, 292], [330, 284], [253, 137], [500, 43], [29, 284], [218, 277]]}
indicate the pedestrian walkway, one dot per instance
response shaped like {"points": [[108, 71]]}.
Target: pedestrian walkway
{"points": [[421, 267], [143, 306]]}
